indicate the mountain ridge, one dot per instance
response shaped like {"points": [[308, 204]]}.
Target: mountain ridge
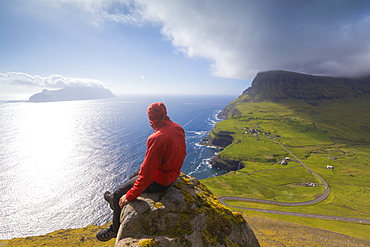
{"points": [[277, 85]]}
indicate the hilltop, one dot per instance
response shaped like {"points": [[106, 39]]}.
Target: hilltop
{"points": [[276, 86]]}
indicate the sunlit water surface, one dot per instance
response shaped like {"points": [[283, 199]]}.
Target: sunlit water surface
{"points": [[58, 158]]}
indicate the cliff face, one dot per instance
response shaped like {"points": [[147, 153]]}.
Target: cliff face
{"points": [[218, 138], [187, 214], [226, 165], [278, 85]]}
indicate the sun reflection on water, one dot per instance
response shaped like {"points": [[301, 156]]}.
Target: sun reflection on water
{"points": [[52, 166]]}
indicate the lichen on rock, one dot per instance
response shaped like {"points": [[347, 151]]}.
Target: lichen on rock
{"points": [[187, 214]]}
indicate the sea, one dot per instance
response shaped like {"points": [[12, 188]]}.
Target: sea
{"points": [[58, 158]]}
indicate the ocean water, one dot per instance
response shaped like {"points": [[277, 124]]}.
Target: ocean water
{"points": [[58, 158]]}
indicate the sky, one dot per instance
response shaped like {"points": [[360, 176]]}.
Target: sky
{"points": [[178, 46]]}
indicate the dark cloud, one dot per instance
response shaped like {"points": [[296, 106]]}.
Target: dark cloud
{"points": [[241, 38]]}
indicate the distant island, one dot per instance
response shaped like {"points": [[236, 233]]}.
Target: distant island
{"points": [[72, 93]]}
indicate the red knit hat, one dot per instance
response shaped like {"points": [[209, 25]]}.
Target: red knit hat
{"points": [[157, 111]]}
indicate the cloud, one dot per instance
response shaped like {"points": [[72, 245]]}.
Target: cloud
{"points": [[240, 37], [120, 11], [53, 81]]}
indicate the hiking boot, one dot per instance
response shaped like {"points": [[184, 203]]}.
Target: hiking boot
{"points": [[106, 234], [109, 198]]}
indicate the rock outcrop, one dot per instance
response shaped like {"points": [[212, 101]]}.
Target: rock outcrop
{"points": [[187, 214], [226, 165], [218, 138]]}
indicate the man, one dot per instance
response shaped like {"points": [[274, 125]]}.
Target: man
{"points": [[165, 154]]}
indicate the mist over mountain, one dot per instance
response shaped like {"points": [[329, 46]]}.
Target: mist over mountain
{"points": [[72, 93]]}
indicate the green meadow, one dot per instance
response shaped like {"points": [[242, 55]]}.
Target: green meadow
{"points": [[332, 133]]}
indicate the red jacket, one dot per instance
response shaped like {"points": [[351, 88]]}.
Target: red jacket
{"points": [[165, 154]]}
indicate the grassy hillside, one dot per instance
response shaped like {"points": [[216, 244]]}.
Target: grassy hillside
{"points": [[334, 133]]}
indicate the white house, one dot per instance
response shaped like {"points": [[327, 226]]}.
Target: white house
{"points": [[284, 162]]}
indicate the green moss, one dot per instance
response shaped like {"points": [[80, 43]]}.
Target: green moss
{"points": [[181, 185], [208, 238], [238, 218], [229, 243], [149, 228], [147, 243], [213, 207], [158, 205], [181, 228], [218, 226], [219, 219]]}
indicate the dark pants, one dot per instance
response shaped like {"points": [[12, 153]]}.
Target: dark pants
{"points": [[118, 193]]}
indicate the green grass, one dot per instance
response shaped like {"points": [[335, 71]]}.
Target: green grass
{"points": [[63, 238], [285, 185], [335, 134], [277, 230]]}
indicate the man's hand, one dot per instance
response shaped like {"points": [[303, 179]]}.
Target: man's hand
{"points": [[122, 201]]}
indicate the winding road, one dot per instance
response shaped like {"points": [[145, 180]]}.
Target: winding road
{"points": [[318, 199]]}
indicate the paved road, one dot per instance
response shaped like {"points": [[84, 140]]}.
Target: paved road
{"points": [[223, 200], [318, 199], [326, 192]]}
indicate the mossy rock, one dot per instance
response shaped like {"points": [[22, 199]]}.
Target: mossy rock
{"points": [[187, 214]]}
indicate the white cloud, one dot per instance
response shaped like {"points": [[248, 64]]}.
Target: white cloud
{"points": [[121, 11], [53, 81]]}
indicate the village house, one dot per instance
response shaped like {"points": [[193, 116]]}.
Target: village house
{"points": [[284, 162]]}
